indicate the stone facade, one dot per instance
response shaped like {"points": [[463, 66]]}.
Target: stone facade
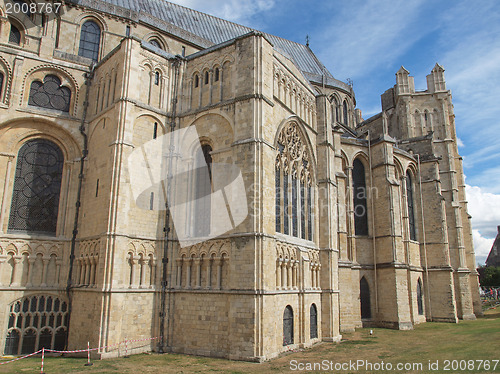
{"points": [[375, 231]]}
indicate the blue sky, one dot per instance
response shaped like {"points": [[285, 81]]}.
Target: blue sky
{"points": [[367, 41]]}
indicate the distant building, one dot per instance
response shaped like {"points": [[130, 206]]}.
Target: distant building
{"points": [[493, 259], [352, 222]]}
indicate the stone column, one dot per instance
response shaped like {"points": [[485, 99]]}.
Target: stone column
{"points": [[294, 274], [188, 275], [93, 264], [283, 274], [179, 273], [88, 270], [197, 262], [45, 262], [132, 261], [288, 274], [3, 258], [144, 266], [83, 268], [31, 266], [152, 268], [58, 271], [17, 271], [278, 273], [218, 263], [209, 273]]}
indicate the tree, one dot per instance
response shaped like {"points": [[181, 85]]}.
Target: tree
{"points": [[489, 276]]}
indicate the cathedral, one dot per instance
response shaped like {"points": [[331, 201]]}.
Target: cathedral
{"points": [[348, 222]]}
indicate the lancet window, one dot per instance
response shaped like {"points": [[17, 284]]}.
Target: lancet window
{"points": [[411, 208], [293, 185]]}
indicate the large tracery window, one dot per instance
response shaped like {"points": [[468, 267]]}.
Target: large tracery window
{"points": [[37, 184], [36, 322], [50, 94], [293, 185], [90, 40], [359, 198], [411, 208]]}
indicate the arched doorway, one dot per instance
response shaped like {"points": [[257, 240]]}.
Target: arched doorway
{"points": [[364, 296], [288, 326]]}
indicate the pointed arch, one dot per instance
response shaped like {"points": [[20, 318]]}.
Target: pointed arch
{"points": [[359, 197], [364, 297], [410, 201], [420, 297], [313, 322], [294, 183], [35, 205], [288, 326]]}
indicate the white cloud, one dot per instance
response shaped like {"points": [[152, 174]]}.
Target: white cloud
{"points": [[232, 10], [484, 207], [460, 143], [482, 246]]}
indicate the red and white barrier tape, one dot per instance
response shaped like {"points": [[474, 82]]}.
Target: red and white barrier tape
{"points": [[43, 350], [20, 358]]}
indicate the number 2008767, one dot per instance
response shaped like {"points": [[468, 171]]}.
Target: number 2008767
{"points": [[30, 8]]}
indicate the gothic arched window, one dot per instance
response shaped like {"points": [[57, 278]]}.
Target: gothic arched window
{"points": [[364, 296], [411, 208], [157, 78], [36, 322], [359, 198], [335, 111], [50, 94], [346, 114], [288, 326], [196, 81], [90, 40], [420, 298], [156, 43], [1, 85], [203, 191], [37, 184], [313, 330], [293, 184], [15, 35]]}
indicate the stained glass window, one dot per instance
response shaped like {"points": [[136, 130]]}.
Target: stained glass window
{"points": [[90, 40], [50, 94], [37, 184]]}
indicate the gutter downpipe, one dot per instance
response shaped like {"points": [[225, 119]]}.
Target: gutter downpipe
{"points": [[167, 228], [423, 237], [88, 82]]}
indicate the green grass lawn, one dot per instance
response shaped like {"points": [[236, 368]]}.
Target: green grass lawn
{"points": [[463, 343]]}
